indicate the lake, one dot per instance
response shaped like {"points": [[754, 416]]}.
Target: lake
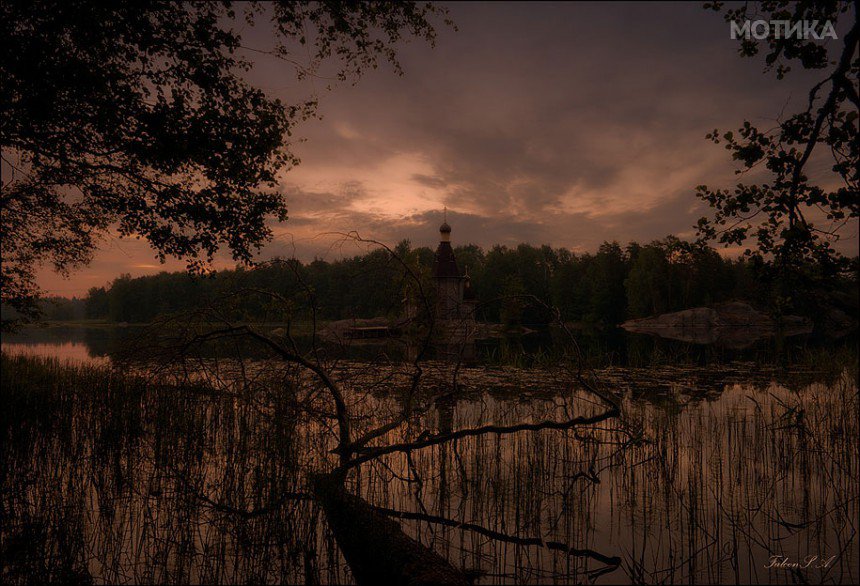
{"points": [[724, 466]]}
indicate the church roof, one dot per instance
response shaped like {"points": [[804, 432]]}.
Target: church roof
{"points": [[445, 265]]}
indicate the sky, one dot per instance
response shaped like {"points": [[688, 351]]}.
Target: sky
{"points": [[560, 124]]}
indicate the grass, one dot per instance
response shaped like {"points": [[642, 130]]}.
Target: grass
{"points": [[108, 476], [118, 478]]}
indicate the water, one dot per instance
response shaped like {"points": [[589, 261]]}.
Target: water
{"points": [[602, 347], [719, 473]]}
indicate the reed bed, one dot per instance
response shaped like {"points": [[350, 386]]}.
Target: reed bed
{"points": [[111, 477]]}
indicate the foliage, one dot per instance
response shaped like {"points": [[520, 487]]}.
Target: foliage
{"points": [[647, 282], [137, 118], [789, 219], [603, 288]]}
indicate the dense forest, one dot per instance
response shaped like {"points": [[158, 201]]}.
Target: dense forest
{"points": [[607, 287]]}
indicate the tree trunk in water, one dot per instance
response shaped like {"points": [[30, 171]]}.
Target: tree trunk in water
{"points": [[375, 547]]}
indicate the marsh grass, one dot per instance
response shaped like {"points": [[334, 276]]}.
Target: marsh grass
{"points": [[124, 479], [115, 477]]}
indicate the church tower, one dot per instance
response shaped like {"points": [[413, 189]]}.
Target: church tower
{"points": [[455, 303], [446, 274]]}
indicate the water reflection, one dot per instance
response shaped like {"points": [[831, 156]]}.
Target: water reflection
{"points": [[64, 351], [604, 347], [712, 471]]}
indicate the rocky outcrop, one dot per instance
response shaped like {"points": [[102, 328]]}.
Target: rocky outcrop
{"points": [[733, 324], [837, 324]]}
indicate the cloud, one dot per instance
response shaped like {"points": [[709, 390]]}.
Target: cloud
{"points": [[564, 124], [428, 181]]}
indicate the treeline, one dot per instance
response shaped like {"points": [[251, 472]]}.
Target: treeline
{"points": [[52, 308], [614, 284]]}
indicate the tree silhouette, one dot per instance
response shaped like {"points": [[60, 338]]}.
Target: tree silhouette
{"points": [[788, 220], [209, 341], [138, 117]]}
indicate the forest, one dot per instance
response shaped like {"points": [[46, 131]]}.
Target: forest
{"points": [[607, 287]]}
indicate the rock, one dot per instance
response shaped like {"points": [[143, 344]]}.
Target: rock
{"points": [[734, 324], [737, 314], [837, 323]]}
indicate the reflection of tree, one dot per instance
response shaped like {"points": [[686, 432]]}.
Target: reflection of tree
{"points": [[331, 397], [131, 479]]}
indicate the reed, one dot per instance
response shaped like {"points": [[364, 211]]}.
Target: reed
{"points": [[116, 477]]}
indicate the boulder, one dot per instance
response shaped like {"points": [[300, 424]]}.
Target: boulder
{"points": [[837, 324], [732, 324]]}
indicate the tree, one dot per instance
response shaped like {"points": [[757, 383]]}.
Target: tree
{"points": [[319, 388], [570, 289], [606, 274], [96, 303], [138, 117], [647, 283], [791, 222]]}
